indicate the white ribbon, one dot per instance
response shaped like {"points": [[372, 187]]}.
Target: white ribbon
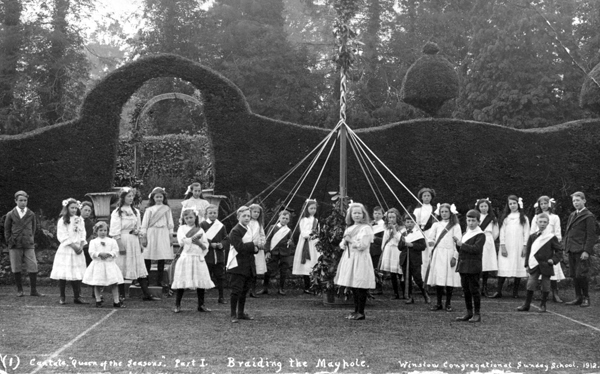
{"points": [[164, 190], [189, 190], [487, 199], [520, 201], [453, 209], [437, 210], [192, 208], [71, 200], [551, 202]]}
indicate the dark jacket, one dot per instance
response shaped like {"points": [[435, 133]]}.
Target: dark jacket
{"points": [[550, 250], [281, 249], [580, 234], [415, 256], [19, 233], [216, 255], [469, 255], [375, 249], [245, 252]]}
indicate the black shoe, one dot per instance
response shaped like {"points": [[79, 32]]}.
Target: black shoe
{"points": [[20, 293], [245, 316], [585, 302], [577, 301], [395, 297], [221, 301], [177, 309], [308, 292], [542, 308], [264, 291], [119, 305], [523, 308], [497, 295], [555, 297], [410, 300], [98, 304], [358, 317], [150, 298], [351, 315], [62, 301], [448, 308], [427, 299], [253, 295], [204, 309], [465, 318], [79, 301], [436, 307], [36, 293], [282, 292], [476, 318], [234, 319]]}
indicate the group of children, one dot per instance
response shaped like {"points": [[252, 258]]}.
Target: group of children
{"points": [[426, 247]]}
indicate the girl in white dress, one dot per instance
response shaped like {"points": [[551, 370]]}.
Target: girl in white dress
{"points": [[193, 199], [103, 271], [157, 227], [514, 232], [355, 269], [390, 256], [125, 223], [306, 254], [191, 271], [425, 218], [489, 225], [69, 260], [545, 204], [256, 228], [442, 267]]}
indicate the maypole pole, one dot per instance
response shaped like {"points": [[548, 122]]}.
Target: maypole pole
{"points": [[346, 9]]}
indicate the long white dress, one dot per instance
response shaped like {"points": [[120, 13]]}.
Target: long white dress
{"points": [[67, 264], [441, 273], [422, 215], [191, 271], [489, 258], [103, 272], [514, 236], [554, 227], [356, 267], [390, 256], [159, 234], [132, 262], [259, 239], [305, 226]]}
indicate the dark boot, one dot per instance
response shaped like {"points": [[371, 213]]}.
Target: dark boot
{"points": [[394, 279], [448, 305], [144, 286], [19, 283], [555, 296], [484, 289], [466, 317], [201, 307], [234, 304], [62, 288], [178, 298], [403, 289], [266, 281], [252, 292], [121, 292], [439, 290], [241, 314], [525, 307], [543, 303], [306, 280], [33, 285], [516, 288], [498, 293], [77, 293], [160, 266]]}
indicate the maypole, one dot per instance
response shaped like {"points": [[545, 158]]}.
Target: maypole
{"points": [[346, 10]]}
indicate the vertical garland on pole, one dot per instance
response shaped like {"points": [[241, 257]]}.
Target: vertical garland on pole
{"points": [[345, 38]]}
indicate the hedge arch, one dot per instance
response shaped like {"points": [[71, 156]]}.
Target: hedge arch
{"points": [[463, 160]]}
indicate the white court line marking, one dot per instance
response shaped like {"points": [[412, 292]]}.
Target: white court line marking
{"points": [[570, 319], [64, 347]]}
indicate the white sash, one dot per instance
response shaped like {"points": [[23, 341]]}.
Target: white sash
{"points": [[414, 236], [471, 233], [537, 244], [214, 229], [279, 235], [231, 258], [378, 227]]}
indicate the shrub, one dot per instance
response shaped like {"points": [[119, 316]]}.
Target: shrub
{"points": [[589, 98]]}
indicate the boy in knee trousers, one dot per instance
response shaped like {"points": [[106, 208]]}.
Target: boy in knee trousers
{"points": [[280, 250]]}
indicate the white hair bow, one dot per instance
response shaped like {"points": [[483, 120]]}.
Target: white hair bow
{"points": [[69, 200], [192, 208], [164, 190], [453, 209], [551, 202], [487, 199], [437, 210], [126, 189], [189, 190], [520, 201]]}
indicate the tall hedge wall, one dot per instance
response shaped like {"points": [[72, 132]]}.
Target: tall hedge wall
{"points": [[462, 160]]}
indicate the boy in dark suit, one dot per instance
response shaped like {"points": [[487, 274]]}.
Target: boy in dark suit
{"points": [[580, 237], [470, 251], [279, 250], [375, 249], [218, 243], [19, 230], [542, 252], [411, 249], [240, 264]]}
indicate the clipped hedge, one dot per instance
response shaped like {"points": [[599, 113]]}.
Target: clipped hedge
{"points": [[589, 98], [462, 160], [430, 81]]}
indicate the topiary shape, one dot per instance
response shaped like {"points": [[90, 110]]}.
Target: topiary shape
{"points": [[430, 81], [589, 98]]}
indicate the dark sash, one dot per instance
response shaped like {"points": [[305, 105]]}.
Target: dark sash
{"points": [[192, 232], [486, 222], [446, 229], [305, 247]]}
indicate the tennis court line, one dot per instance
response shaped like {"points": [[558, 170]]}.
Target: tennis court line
{"points": [[570, 319], [64, 347]]}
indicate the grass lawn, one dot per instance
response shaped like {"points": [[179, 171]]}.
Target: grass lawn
{"points": [[293, 334]]}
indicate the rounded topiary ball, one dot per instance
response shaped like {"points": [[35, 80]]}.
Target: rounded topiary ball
{"points": [[430, 81], [589, 98]]}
